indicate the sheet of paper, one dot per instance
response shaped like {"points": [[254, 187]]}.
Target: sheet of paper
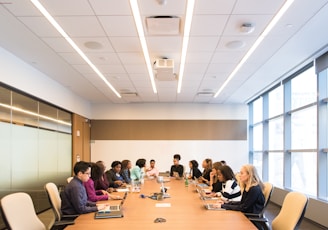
{"points": [[122, 189], [163, 205]]}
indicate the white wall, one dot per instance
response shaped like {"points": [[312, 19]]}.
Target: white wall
{"points": [[234, 152], [22, 76]]}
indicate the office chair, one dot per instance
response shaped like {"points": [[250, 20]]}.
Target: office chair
{"points": [[18, 212], [69, 179], [61, 221], [290, 215], [267, 192]]}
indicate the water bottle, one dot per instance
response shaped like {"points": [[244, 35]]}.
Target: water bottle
{"points": [[186, 182]]}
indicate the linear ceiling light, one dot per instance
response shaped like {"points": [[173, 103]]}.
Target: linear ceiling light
{"points": [[53, 22], [266, 31], [35, 114], [138, 22], [186, 31]]}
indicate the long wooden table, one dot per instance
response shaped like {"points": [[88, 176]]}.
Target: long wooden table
{"points": [[186, 212]]}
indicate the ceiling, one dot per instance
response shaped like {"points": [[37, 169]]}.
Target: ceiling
{"points": [[105, 31]]}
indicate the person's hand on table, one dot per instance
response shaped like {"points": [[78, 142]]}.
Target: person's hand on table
{"points": [[101, 206], [114, 197]]}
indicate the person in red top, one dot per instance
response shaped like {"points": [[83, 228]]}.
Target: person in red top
{"points": [[100, 179], [93, 194]]}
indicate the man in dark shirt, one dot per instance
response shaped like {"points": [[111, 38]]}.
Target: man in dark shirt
{"points": [[74, 197], [176, 169]]}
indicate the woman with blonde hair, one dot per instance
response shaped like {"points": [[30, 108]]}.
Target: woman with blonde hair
{"points": [[252, 200]]}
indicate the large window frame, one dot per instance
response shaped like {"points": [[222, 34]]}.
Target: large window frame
{"points": [[321, 148]]}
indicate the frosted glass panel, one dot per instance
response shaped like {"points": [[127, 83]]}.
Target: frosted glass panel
{"points": [[64, 154], [48, 159], [5, 156], [24, 157]]}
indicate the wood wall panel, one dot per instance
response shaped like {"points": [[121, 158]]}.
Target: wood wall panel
{"points": [[169, 130], [81, 142]]}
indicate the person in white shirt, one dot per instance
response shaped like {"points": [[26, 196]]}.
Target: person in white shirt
{"points": [[230, 188], [152, 171]]}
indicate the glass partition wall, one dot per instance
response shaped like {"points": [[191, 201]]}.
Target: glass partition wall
{"points": [[35, 145]]}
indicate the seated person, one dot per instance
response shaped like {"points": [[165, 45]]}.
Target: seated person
{"points": [[194, 173], [137, 173], [102, 182], [114, 176], [205, 177], [125, 171], [74, 197], [215, 184], [93, 194], [176, 169], [252, 200], [152, 171], [230, 188]]}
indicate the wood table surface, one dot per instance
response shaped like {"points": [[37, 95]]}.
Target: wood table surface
{"points": [[186, 211]]}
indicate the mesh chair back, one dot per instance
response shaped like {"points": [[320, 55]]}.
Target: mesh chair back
{"points": [[19, 213], [54, 199], [292, 212]]}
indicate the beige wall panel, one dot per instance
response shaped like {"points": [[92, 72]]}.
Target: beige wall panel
{"points": [[169, 130]]}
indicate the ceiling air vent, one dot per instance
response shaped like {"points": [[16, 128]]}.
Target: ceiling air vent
{"points": [[163, 25]]}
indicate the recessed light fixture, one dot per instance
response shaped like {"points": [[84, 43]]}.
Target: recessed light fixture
{"points": [[54, 23], [185, 41], [141, 33], [269, 27]]}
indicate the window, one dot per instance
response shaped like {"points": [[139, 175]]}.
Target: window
{"points": [[276, 101], [257, 110], [288, 141], [257, 162], [304, 89], [304, 171], [276, 168], [276, 134], [304, 128], [257, 137]]}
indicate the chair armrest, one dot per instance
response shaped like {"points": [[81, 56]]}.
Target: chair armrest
{"points": [[253, 215], [60, 225], [260, 222], [258, 219], [69, 217]]}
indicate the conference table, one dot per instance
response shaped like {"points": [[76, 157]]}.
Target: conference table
{"points": [[182, 210]]}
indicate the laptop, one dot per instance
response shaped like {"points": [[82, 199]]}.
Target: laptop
{"points": [[105, 214], [212, 206], [111, 211], [117, 207]]}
